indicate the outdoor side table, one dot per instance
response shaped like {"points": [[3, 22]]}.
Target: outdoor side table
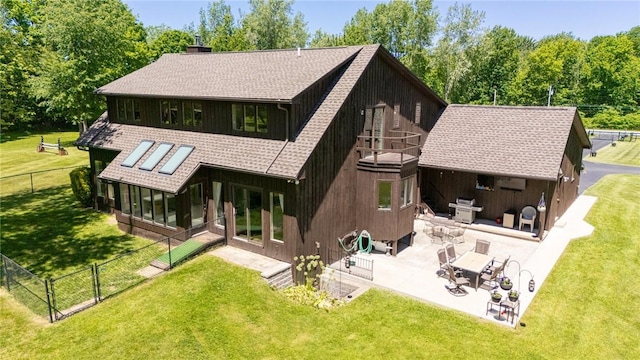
{"points": [[510, 308]]}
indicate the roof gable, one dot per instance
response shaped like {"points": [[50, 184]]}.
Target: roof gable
{"points": [[519, 141], [274, 75]]}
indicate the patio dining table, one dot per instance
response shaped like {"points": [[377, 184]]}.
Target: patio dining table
{"points": [[473, 262]]}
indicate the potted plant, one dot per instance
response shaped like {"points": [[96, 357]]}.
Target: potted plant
{"points": [[496, 297], [505, 283], [513, 295]]}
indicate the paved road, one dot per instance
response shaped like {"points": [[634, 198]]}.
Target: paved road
{"points": [[594, 171]]}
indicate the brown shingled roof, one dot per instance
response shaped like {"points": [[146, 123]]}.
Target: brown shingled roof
{"points": [[223, 151], [274, 75], [295, 153], [519, 141]]}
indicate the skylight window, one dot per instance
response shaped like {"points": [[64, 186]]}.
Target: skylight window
{"points": [[137, 153], [156, 156], [177, 159]]}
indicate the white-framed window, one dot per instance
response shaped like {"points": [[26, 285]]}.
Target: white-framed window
{"points": [[192, 113], [128, 110], [406, 191], [169, 112], [147, 204], [384, 194], [218, 204], [100, 186], [249, 118], [276, 208]]}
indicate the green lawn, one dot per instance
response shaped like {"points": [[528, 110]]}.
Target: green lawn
{"points": [[48, 232], [18, 156], [624, 153], [210, 309]]}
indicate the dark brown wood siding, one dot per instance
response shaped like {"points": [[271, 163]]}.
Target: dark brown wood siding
{"points": [[283, 250], [327, 202], [441, 187], [216, 117]]}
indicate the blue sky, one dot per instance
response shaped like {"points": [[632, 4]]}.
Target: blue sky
{"points": [[535, 18]]}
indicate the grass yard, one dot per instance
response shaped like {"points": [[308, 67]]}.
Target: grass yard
{"points": [[18, 156], [208, 309], [48, 232], [624, 153]]}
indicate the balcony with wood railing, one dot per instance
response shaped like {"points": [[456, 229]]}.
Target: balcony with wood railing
{"points": [[393, 151]]}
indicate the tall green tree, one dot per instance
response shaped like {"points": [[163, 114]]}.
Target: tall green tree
{"points": [[323, 39], [154, 31], [19, 49], [556, 61], [611, 73], [219, 30], [270, 24], [405, 28], [86, 45], [171, 41], [494, 65], [461, 32]]}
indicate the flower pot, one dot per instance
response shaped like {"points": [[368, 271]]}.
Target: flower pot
{"points": [[506, 286], [514, 297], [496, 298]]}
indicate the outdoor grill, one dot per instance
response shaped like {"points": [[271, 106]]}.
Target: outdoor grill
{"points": [[465, 210]]}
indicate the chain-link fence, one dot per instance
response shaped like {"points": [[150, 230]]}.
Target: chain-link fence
{"points": [[65, 295], [34, 181], [73, 292], [27, 288], [118, 274]]}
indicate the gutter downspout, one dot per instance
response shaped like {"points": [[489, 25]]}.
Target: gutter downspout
{"points": [[286, 119], [286, 141]]}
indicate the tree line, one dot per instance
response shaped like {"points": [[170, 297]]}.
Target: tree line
{"points": [[55, 53]]}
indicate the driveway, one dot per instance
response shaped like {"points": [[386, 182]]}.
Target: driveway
{"points": [[594, 171]]}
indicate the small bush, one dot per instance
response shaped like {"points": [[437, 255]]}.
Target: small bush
{"points": [[308, 293], [81, 185]]}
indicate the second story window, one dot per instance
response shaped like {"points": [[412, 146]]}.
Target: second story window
{"points": [[249, 118], [169, 112], [128, 110], [192, 111]]}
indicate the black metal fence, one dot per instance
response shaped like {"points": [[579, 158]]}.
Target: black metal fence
{"points": [[27, 288], [60, 297], [355, 264]]}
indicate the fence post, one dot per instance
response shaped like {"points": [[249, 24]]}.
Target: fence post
{"points": [[96, 283], [6, 272], [31, 177], [46, 289], [53, 297], [169, 245]]}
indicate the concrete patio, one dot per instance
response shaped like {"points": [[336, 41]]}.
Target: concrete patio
{"points": [[413, 272]]}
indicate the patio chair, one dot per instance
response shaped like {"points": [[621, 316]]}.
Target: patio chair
{"points": [[528, 217], [438, 232], [482, 246], [457, 234], [444, 264], [451, 252], [492, 273], [458, 281], [499, 267]]}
